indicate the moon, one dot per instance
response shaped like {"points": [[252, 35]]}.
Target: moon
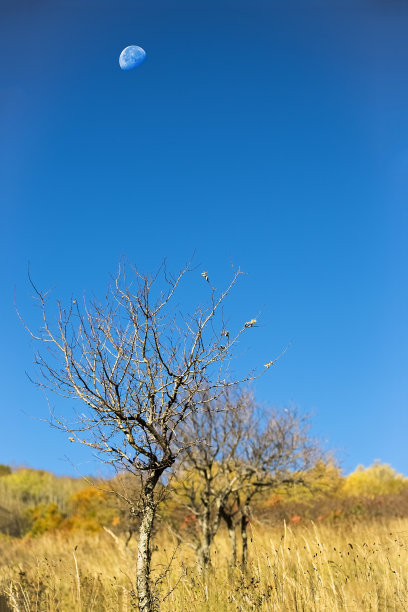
{"points": [[131, 57]]}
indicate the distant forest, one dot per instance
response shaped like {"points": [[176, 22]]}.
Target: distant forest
{"points": [[33, 502]]}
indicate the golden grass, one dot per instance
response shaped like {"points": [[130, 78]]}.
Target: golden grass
{"points": [[300, 568]]}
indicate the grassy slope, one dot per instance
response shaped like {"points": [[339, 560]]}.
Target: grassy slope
{"points": [[302, 567]]}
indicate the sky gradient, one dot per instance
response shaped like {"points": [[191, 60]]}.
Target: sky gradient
{"points": [[270, 134]]}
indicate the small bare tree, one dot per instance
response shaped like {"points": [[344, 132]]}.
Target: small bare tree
{"points": [[241, 452], [209, 474], [138, 367]]}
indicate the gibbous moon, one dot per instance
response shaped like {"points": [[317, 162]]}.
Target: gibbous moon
{"points": [[131, 57]]}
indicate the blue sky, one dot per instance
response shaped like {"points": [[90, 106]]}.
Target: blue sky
{"points": [[270, 134]]}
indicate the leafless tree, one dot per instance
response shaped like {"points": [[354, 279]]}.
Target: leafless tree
{"points": [[137, 365], [241, 452], [208, 475]]}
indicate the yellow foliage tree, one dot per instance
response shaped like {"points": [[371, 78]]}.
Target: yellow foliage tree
{"points": [[324, 479], [31, 488], [377, 479], [45, 518]]}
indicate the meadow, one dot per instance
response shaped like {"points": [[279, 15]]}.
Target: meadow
{"points": [[301, 566]]}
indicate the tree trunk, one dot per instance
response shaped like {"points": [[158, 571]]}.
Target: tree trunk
{"points": [[204, 555], [144, 591], [209, 523], [232, 536], [244, 534]]}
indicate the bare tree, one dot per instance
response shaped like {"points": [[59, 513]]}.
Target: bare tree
{"points": [[137, 366], [209, 474], [241, 452]]}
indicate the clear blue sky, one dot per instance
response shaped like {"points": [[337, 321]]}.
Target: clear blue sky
{"points": [[273, 134]]}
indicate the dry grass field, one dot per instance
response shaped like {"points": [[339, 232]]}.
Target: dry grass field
{"points": [[301, 567]]}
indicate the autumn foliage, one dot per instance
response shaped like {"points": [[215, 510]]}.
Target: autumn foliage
{"points": [[34, 502]]}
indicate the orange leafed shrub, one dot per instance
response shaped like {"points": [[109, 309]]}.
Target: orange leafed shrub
{"points": [[91, 508]]}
